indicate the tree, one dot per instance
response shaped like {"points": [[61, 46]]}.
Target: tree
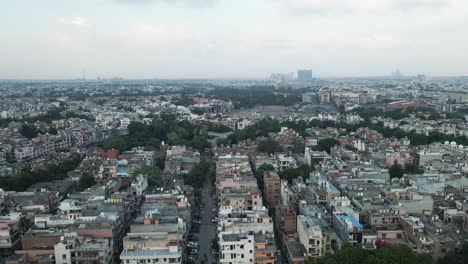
{"points": [[396, 171], [219, 128], [153, 173], [269, 146], [355, 254], [24, 179], [292, 173], [350, 147], [86, 180], [298, 146], [197, 175], [28, 131], [412, 168], [119, 143], [222, 142], [327, 143], [457, 257]]}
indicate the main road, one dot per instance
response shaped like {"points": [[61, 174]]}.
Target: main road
{"points": [[207, 228]]}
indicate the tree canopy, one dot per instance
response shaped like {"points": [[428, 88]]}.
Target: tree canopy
{"points": [[162, 128], [327, 143], [86, 180], [197, 175], [269, 146], [396, 171], [153, 173], [28, 131], [24, 179], [292, 173], [355, 254]]}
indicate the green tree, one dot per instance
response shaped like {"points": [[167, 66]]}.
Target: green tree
{"points": [[28, 131], [412, 168], [119, 143], [222, 142], [269, 146], [86, 180], [327, 143], [153, 173], [292, 173], [355, 254], [298, 146], [459, 256], [350, 147], [197, 175], [396, 171]]}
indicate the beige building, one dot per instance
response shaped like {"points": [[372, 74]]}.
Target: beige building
{"points": [[311, 236]]}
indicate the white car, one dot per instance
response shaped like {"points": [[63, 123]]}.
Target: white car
{"points": [[214, 220], [192, 244]]}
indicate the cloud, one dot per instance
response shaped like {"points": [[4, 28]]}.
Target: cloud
{"points": [[333, 6], [77, 23], [189, 3]]}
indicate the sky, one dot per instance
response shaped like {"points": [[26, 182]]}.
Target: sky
{"points": [[59, 39]]}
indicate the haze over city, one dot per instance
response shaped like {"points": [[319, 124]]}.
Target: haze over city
{"points": [[55, 39]]}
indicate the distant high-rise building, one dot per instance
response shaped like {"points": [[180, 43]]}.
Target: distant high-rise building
{"points": [[304, 75], [397, 74]]}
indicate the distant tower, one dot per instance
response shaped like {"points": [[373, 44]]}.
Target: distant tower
{"points": [[397, 74], [304, 75], [83, 74]]}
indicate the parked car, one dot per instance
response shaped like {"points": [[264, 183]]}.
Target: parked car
{"points": [[192, 243]]}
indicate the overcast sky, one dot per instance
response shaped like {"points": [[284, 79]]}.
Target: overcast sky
{"points": [[42, 39]]}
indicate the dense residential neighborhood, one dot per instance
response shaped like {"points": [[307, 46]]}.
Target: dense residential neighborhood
{"points": [[153, 171]]}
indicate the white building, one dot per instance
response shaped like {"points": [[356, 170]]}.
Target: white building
{"points": [[171, 254], [236, 248], [285, 161], [140, 184]]}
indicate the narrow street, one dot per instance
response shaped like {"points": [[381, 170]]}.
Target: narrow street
{"points": [[207, 228]]}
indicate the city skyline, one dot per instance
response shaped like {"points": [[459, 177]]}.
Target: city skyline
{"points": [[146, 39]]}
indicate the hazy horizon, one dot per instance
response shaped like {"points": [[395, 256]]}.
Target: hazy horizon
{"points": [[225, 39]]}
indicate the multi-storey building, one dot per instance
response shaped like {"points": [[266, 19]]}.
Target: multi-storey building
{"points": [[236, 248], [73, 249], [271, 188], [311, 236]]}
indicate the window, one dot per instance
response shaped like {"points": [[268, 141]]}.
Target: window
{"points": [[242, 246], [64, 256]]}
